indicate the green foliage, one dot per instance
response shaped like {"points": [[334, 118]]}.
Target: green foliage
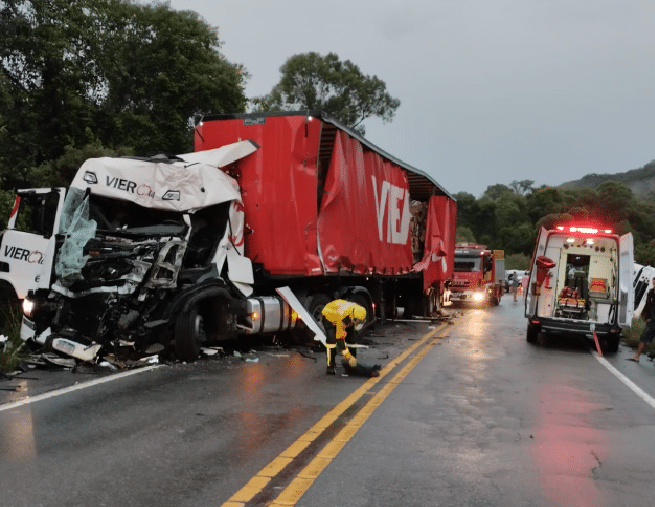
{"points": [[464, 235], [645, 253], [7, 198], [312, 81], [508, 217], [517, 261], [60, 172], [105, 71], [10, 321]]}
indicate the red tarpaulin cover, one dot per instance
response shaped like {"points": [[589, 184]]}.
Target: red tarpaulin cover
{"points": [[363, 222], [438, 261], [363, 225], [278, 186]]}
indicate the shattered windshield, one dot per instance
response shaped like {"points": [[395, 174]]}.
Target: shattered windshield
{"points": [[114, 215]]}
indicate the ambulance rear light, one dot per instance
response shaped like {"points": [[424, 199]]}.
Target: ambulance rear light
{"points": [[584, 230]]}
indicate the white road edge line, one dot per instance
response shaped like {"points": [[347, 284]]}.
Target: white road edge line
{"points": [[76, 387], [637, 390]]}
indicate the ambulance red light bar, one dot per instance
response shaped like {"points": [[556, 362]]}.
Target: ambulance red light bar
{"points": [[584, 230]]}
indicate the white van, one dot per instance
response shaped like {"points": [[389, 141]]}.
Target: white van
{"points": [[581, 283]]}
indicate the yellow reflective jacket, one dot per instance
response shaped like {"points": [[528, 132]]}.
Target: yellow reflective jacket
{"points": [[340, 313]]}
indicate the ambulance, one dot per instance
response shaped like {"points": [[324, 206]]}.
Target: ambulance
{"points": [[581, 284]]}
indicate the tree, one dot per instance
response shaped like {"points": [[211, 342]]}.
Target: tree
{"points": [[494, 192], [160, 68], [312, 81], [108, 71], [464, 235], [522, 187]]}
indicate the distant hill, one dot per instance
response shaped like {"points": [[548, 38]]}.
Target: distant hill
{"points": [[641, 181]]}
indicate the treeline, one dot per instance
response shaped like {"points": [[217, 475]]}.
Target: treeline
{"points": [[508, 217], [103, 77]]}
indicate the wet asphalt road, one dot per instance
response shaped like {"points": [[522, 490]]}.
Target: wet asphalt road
{"points": [[482, 418]]}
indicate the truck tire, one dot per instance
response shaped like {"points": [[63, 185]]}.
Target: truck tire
{"points": [[532, 334], [314, 305], [363, 301], [204, 323], [189, 335]]}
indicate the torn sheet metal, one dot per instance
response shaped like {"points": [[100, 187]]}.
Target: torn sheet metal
{"points": [[223, 156], [292, 300], [77, 350]]}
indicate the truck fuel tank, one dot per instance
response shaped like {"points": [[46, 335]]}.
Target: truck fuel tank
{"points": [[268, 314]]}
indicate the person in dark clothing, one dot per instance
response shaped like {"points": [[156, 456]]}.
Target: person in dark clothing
{"points": [[648, 313]]}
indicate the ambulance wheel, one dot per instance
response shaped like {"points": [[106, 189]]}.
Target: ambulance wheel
{"points": [[611, 344], [532, 334]]}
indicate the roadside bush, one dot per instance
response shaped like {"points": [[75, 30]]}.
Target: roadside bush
{"points": [[10, 355]]}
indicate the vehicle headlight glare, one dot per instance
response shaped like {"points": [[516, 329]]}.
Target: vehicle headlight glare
{"points": [[28, 307], [478, 296]]}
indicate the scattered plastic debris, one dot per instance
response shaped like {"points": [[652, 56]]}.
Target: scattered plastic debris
{"points": [[212, 351], [77, 350], [252, 360], [149, 360]]}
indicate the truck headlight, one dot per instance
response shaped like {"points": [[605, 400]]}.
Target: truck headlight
{"points": [[28, 307], [478, 296]]}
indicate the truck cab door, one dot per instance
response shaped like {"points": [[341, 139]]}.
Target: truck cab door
{"points": [[27, 245], [626, 289], [539, 249]]}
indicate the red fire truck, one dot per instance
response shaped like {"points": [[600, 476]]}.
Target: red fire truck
{"points": [[478, 274]]}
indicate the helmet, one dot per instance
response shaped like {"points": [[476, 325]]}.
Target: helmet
{"points": [[359, 313]]}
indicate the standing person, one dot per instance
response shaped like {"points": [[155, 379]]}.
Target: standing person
{"points": [[342, 321], [648, 313], [524, 282], [513, 284]]}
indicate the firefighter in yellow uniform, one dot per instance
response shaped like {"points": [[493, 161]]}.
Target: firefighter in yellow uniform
{"points": [[342, 320]]}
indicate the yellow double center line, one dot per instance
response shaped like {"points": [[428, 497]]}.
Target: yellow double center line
{"points": [[303, 481]]}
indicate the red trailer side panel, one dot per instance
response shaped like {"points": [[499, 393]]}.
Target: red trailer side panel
{"points": [[440, 240], [363, 224], [278, 186]]}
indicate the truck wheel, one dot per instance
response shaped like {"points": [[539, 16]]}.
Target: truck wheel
{"points": [[204, 323], [532, 333], [362, 301], [314, 305], [189, 335]]}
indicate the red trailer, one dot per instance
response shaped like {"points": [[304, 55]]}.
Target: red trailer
{"points": [[332, 215]]}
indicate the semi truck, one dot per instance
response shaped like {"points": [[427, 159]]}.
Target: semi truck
{"points": [[170, 253], [581, 284], [478, 275]]}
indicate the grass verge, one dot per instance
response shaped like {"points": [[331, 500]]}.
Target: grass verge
{"points": [[10, 320]]}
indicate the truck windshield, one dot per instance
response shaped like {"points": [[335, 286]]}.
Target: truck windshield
{"points": [[467, 264]]}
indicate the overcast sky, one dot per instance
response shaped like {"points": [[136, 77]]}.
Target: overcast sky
{"points": [[491, 91]]}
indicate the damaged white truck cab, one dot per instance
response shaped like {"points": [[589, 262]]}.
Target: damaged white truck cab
{"points": [[149, 255], [581, 284], [28, 243]]}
